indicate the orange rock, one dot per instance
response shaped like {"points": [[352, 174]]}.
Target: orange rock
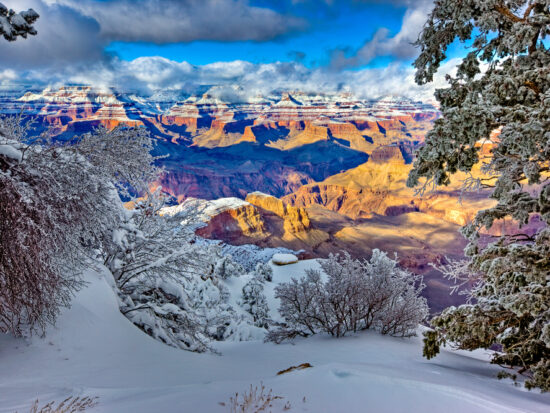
{"points": [[234, 224], [295, 219]]}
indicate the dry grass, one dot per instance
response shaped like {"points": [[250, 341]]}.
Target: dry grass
{"points": [[69, 405], [255, 400]]}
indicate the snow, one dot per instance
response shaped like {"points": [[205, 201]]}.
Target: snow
{"points": [[11, 152], [284, 259], [203, 208], [247, 255], [95, 350], [260, 194]]}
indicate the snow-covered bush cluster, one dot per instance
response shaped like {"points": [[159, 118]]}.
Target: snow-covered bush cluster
{"points": [[355, 295], [247, 255], [190, 307], [175, 288]]}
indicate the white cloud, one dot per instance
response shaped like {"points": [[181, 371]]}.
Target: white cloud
{"points": [[8, 76], [77, 31], [69, 49], [240, 79], [382, 44]]}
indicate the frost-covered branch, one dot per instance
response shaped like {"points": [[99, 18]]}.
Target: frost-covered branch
{"points": [[58, 209], [357, 295]]}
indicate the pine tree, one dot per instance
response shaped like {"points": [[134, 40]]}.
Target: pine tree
{"points": [[264, 271], [499, 98], [254, 301], [226, 268]]}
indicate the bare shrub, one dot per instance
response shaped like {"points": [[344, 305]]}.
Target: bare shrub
{"points": [[32, 284], [255, 400], [357, 295]]}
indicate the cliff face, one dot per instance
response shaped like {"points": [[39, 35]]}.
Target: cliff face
{"points": [[274, 144], [295, 219], [235, 224], [263, 220], [378, 187]]}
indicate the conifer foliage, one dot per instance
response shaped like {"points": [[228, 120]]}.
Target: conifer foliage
{"points": [[254, 301], [14, 25], [500, 99]]}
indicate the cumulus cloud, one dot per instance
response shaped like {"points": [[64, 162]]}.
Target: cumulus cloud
{"points": [[174, 21], [240, 80], [399, 46]]}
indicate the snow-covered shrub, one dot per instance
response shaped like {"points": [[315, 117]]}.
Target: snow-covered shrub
{"points": [[162, 311], [13, 24], [264, 271], [147, 245], [169, 284], [58, 204], [33, 285], [209, 300], [254, 302], [152, 262], [356, 295], [226, 268]]}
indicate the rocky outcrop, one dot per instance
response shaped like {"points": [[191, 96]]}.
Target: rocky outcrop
{"points": [[262, 220], [274, 144], [235, 224], [295, 219], [387, 155]]}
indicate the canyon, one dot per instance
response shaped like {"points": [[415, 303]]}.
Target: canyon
{"points": [[316, 173]]}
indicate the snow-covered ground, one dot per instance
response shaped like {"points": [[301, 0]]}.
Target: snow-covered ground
{"points": [[96, 351]]}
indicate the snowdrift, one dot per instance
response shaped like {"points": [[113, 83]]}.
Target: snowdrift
{"points": [[95, 350]]}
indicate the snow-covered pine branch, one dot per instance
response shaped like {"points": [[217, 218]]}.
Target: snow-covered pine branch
{"points": [[500, 95], [14, 25]]}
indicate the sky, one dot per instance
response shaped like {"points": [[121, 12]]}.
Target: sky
{"points": [[359, 46]]}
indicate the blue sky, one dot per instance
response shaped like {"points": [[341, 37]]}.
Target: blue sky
{"points": [[345, 27]]}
